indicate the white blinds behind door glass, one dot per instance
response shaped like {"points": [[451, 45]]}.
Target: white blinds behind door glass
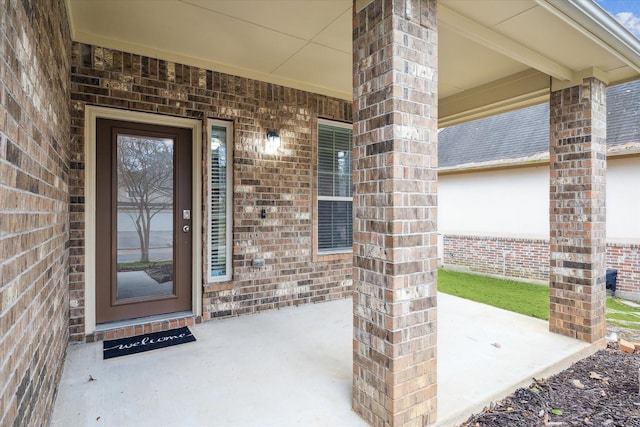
{"points": [[218, 208]]}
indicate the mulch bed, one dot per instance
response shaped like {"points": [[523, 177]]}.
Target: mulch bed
{"points": [[161, 273], [600, 390]]}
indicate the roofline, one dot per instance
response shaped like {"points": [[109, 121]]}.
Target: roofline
{"points": [[591, 20], [522, 162], [617, 151]]}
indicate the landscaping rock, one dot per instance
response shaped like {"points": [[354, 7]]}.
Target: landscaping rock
{"points": [[626, 346]]}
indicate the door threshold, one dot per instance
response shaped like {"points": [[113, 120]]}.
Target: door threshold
{"points": [[101, 327], [142, 325]]}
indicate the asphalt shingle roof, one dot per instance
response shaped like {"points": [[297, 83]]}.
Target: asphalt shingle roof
{"points": [[524, 133]]}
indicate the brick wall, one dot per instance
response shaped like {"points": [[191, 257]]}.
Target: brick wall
{"points": [[395, 242], [626, 259], [577, 210], [529, 259], [280, 183], [34, 201], [508, 257]]}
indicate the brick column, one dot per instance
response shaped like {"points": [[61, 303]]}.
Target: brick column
{"points": [[395, 243], [577, 211]]}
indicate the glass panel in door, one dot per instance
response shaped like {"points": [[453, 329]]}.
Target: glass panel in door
{"points": [[145, 229]]}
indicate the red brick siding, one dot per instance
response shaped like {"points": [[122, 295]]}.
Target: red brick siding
{"points": [[34, 207], [281, 183], [626, 259], [513, 258], [529, 258]]}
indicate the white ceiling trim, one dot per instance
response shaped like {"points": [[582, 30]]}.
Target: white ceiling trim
{"points": [[519, 90], [72, 27], [600, 27], [580, 76], [499, 43], [361, 4]]}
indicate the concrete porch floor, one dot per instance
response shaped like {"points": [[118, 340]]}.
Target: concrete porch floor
{"points": [[292, 367]]}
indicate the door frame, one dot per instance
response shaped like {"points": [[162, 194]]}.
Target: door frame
{"points": [[92, 113]]}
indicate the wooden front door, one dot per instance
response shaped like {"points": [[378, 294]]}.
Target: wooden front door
{"points": [[143, 220]]}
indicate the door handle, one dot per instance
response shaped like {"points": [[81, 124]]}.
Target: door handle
{"points": [[186, 228]]}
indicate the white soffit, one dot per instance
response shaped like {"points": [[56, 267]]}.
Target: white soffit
{"points": [[249, 38], [279, 15], [338, 34], [457, 56], [561, 40], [596, 24], [494, 55], [503, 43], [488, 13], [575, 53], [324, 65]]}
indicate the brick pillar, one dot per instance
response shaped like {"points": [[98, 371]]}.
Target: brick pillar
{"points": [[577, 211], [395, 242]]}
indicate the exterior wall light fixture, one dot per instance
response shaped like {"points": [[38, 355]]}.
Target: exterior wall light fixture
{"points": [[273, 140], [273, 137]]}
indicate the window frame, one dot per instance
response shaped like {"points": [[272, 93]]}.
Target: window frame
{"points": [[332, 253], [228, 125]]}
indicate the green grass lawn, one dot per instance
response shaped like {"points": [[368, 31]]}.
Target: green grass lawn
{"points": [[620, 314], [524, 298], [613, 304]]}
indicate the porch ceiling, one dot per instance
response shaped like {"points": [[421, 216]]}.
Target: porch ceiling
{"points": [[494, 55]]}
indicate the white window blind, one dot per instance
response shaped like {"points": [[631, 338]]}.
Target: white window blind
{"points": [[335, 186], [220, 201]]}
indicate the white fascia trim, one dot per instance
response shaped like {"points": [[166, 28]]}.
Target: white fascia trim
{"points": [[599, 26], [630, 149], [529, 161], [523, 89], [579, 77], [72, 28]]}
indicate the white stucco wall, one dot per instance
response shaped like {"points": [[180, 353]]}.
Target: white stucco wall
{"points": [[623, 200], [503, 203], [515, 202]]}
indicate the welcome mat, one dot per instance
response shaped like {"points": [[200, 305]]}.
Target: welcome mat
{"points": [[146, 342]]}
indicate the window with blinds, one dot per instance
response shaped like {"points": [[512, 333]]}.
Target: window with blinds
{"points": [[335, 199], [220, 192]]}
